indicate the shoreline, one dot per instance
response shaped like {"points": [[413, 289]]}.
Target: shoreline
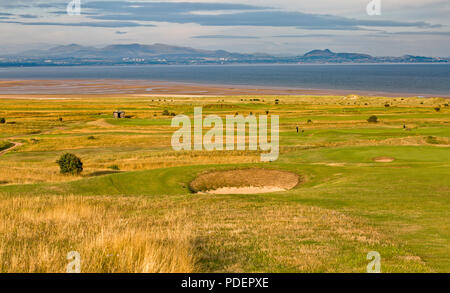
{"points": [[158, 88]]}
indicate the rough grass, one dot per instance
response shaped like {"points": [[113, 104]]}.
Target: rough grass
{"points": [[111, 235], [123, 234]]}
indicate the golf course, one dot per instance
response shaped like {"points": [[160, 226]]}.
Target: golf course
{"points": [[343, 185]]}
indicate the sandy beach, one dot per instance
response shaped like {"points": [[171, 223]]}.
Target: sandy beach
{"points": [[17, 88]]}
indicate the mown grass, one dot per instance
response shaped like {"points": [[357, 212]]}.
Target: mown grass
{"points": [[143, 217]]}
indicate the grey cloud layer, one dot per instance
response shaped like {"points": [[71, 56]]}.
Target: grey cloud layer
{"points": [[133, 13], [182, 13]]}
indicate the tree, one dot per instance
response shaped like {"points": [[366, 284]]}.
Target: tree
{"points": [[372, 119], [70, 164]]}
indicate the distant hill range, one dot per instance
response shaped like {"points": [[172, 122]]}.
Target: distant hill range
{"points": [[167, 54]]}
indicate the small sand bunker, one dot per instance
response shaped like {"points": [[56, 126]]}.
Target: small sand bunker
{"points": [[244, 181], [383, 159]]}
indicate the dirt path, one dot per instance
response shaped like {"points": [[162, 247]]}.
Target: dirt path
{"points": [[15, 145]]}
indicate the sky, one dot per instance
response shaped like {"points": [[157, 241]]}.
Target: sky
{"points": [[281, 27]]}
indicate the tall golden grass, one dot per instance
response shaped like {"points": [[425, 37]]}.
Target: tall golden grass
{"points": [[111, 235], [185, 234]]}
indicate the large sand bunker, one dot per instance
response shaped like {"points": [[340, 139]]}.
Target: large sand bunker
{"points": [[244, 181]]}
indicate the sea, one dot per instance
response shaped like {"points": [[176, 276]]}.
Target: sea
{"points": [[427, 79]]}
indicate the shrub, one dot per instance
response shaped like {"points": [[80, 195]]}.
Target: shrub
{"points": [[437, 109], [70, 164], [60, 119], [166, 112], [267, 112], [432, 140], [91, 137], [387, 105], [309, 121], [372, 119], [277, 101], [4, 145], [114, 167], [2, 120]]}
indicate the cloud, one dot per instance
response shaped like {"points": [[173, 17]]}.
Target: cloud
{"points": [[383, 34], [215, 14], [224, 37], [423, 33], [238, 15], [106, 24], [27, 16], [305, 36]]}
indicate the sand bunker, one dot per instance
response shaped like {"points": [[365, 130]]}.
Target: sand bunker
{"points": [[244, 190], [383, 159], [244, 181]]}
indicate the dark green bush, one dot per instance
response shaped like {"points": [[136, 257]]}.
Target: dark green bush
{"points": [[432, 140], [70, 164], [372, 119], [2, 120], [114, 167]]}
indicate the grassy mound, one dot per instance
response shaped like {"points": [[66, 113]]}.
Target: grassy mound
{"points": [[253, 177]]}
